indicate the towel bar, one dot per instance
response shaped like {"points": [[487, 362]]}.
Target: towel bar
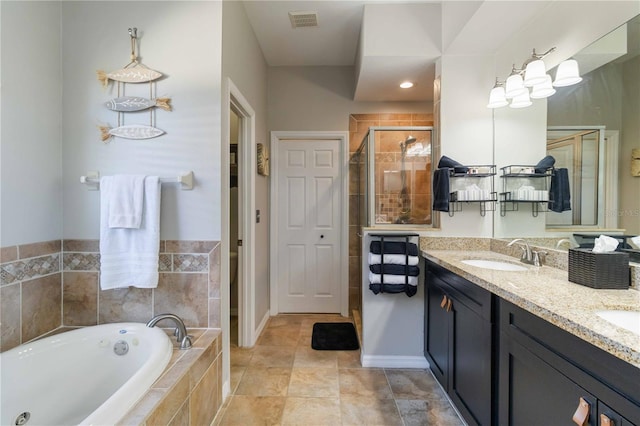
{"points": [[92, 180]]}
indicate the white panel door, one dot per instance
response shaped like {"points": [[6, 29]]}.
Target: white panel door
{"points": [[309, 224]]}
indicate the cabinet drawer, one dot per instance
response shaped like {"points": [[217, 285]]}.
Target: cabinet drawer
{"points": [[473, 296]]}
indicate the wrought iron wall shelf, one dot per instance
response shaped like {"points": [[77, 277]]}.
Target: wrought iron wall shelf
{"points": [[533, 189], [485, 198]]}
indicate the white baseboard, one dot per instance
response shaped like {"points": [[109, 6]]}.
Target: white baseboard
{"points": [[261, 327], [394, 361]]}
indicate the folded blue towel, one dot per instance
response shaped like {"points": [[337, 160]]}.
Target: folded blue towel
{"points": [[449, 163], [393, 247], [559, 192], [545, 164], [410, 290], [441, 190], [412, 271]]}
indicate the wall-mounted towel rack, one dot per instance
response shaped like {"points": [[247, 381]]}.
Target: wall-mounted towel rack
{"points": [[92, 180]]}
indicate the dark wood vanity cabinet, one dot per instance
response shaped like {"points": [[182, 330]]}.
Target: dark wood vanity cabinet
{"points": [[544, 372], [459, 341], [502, 365]]}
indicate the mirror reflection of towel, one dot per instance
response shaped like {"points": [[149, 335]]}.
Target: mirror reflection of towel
{"points": [[559, 192], [441, 190]]}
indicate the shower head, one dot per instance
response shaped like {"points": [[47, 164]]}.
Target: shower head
{"points": [[405, 143]]}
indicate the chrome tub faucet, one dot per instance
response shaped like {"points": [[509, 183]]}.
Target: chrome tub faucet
{"points": [[180, 332]]}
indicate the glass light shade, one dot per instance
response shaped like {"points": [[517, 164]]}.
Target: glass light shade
{"points": [[497, 98], [567, 73], [535, 73], [543, 90], [521, 101], [514, 86]]}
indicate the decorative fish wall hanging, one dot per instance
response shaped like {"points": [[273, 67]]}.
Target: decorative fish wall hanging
{"points": [[135, 103], [131, 131], [136, 74]]}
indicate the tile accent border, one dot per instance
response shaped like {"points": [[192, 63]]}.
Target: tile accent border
{"points": [[189, 286]]}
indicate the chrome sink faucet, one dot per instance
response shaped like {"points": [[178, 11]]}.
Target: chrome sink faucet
{"points": [[180, 332], [530, 257]]}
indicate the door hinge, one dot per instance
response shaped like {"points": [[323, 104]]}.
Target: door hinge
{"points": [[239, 243]]}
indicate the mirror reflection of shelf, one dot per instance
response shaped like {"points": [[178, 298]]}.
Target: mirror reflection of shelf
{"points": [[485, 197], [533, 188]]}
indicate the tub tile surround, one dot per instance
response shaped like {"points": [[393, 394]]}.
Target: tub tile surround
{"points": [[546, 292], [56, 283], [189, 390]]}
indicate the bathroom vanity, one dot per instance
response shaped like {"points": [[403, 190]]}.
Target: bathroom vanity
{"points": [[527, 347]]}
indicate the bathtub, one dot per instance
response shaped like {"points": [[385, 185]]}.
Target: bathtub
{"points": [[88, 376]]}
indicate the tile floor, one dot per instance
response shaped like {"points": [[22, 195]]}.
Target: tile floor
{"points": [[282, 381]]}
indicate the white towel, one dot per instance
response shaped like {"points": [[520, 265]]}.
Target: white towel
{"points": [[129, 257], [391, 279], [125, 193], [393, 259]]}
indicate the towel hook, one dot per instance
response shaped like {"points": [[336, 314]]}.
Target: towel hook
{"points": [[133, 33]]}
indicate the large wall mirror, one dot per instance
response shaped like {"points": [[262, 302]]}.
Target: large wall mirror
{"points": [[591, 129]]}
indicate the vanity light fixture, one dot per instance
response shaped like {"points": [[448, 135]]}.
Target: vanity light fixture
{"points": [[532, 82], [406, 84], [567, 74], [497, 97]]}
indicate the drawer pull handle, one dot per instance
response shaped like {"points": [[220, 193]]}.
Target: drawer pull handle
{"points": [[605, 421], [449, 304], [581, 416], [444, 301]]}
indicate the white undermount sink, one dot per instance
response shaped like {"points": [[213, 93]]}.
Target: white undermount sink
{"points": [[496, 265], [629, 320]]}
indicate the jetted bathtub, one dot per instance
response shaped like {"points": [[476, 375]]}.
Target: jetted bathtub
{"points": [[88, 376]]}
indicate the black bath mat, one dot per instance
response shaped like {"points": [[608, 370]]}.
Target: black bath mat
{"points": [[334, 336]]}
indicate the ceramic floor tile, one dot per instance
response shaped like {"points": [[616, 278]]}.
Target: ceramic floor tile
{"points": [[441, 412], [349, 359], [280, 336], [412, 384], [311, 411], [364, 410], [264, 381], [308, 357], [236, 376], [314, 382], [279, 383], [414, 412], [371, 383], [253, 410], [240, 357], [272, 356]]}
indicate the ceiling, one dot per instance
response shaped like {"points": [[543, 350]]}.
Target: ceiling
{"points": [[391, 42]]}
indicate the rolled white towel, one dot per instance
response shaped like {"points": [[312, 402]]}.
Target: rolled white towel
{"points": [[392, 279], [393, 259]]}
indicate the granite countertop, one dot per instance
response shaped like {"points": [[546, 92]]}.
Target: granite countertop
{"points": [[546, 292]]}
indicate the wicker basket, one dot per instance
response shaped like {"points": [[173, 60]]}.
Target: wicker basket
{"points": [[599, 270]]}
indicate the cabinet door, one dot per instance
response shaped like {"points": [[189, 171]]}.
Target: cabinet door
{"points": [[534, 393], [470, 364], [436, 341], [609, 417]]}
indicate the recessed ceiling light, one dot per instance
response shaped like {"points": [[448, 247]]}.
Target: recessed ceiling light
{"points": [[406, 84]]}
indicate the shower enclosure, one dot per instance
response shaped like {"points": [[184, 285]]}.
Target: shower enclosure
{"points": [[394, 177]]}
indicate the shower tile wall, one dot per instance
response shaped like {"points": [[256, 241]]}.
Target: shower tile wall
{"points": [[358, 126], [56, 283]]}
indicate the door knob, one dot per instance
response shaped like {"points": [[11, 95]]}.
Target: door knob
{"points": [[321, 236]]}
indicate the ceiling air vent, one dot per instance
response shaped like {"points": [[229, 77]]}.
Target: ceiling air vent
{"points": [[303, 19]]}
